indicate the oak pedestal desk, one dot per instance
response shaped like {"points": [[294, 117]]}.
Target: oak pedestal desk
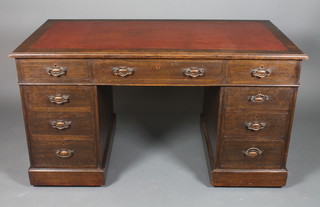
{"points": [[249, 71]]}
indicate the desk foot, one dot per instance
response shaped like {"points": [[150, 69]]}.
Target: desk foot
{"points": [[66, 177], [249, 178]]}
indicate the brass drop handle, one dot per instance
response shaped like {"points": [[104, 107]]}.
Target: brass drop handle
{"points": [[261, 72], [258, 98], [252, 152], [56, 70], [193, 72], [60, 124], [122, 71], [255, 126], [64, 153], [59, 98]]}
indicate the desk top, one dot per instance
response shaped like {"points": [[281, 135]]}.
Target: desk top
{"points": [[210, 39]]}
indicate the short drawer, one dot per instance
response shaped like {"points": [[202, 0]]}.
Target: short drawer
{"points": [[61, 123], [259, 98], [252, 155], [262, 72], [53, 70], [255, 125], [156, 72], [58, 96], [63, 153]]}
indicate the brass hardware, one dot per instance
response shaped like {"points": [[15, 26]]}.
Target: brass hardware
{"points": [[193, 72], [255, 126], [258, 98], [60, 124], [56, 70], [122, 71], [261, 72], [252, 152], [64, 153], [58, 98]]}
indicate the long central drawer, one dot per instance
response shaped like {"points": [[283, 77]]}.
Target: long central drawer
{"points": [[135, 72]]}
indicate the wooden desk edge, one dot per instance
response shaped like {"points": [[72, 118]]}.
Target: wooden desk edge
{"points": [[161, 55]]}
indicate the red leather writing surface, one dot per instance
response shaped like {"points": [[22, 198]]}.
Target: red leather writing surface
{"points": [[184, 35]]}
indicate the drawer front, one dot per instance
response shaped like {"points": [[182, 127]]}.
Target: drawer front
{"points": [[262, 72], [64, 123], [252, 155], [153, 72], [58, 96], [254, 125], [53, 70], [259, 98], [64, 153]]}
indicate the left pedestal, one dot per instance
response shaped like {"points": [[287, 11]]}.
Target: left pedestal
{"points": [[69, 131]]}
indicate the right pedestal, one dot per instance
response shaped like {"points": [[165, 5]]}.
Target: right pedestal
{"points": [[246, 133]]}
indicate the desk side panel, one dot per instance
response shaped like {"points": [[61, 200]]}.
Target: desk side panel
{"points": [[209, 123]]}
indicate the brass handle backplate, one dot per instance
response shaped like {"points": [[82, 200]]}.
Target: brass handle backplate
{"points": [[193, 72], [252, 152], [56, 70], [59, 98], [122, 71], [261, 72], [258, 98], [60, 124], [64, 153], [255, 126]]}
